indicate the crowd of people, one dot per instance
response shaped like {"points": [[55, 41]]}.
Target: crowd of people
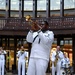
{"points": [[41, 39]]}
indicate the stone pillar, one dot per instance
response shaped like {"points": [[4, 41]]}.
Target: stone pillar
{"points": [[20, 6], [73, 52], [34, 8], [61, 8], [47, 8], [7, 8]]}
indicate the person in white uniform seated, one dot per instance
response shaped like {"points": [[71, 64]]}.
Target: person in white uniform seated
{"points": [[65, 64], [67, 60]]}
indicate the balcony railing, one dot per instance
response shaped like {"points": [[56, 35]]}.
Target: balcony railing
{"points": [[54, 23]]}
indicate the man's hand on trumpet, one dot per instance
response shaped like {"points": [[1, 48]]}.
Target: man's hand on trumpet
{"points": [[35, 26]]}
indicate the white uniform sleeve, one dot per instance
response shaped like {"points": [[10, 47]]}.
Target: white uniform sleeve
{"points": [[5, 52], [29, 37], [48, 37], [61, 56], [18, 54], [53, 57], [25, 53]]}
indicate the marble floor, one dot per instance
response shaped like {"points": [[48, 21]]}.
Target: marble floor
{"points": [[16, 74]]}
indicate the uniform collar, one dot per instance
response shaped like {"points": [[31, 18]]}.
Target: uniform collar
{"points": [[44, 31]]}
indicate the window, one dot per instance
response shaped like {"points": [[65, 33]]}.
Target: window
{"points": [[2, 4]]}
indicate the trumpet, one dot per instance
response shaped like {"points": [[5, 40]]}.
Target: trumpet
{"points": [[35, 23], [22, 51], [28, 19]]}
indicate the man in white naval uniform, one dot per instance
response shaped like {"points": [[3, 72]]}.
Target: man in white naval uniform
{"points": [[60, 56], [63, 66], [53, 62], [21, 54], [40, 51], [2, 60]]}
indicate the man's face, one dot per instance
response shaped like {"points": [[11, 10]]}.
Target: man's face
{"points": [[58, 48], [44, 26], [22, 48]]}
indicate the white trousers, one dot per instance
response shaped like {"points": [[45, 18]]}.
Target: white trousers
{"points": [[53, 69], [2, 63], [21, 63], [37, 66], [58, 68]]}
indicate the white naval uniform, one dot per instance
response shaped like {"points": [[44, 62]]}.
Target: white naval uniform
{"points": [[2, 62], [40, 52], [53, 60], [21, 62], [58, 67], [63, 66], [67, 61]]}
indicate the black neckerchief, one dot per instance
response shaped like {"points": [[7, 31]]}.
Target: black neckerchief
{"points": [[35, 38], [44, 31]]}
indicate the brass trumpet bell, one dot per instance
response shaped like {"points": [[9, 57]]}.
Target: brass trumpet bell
{"points": [[28, 18]]}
